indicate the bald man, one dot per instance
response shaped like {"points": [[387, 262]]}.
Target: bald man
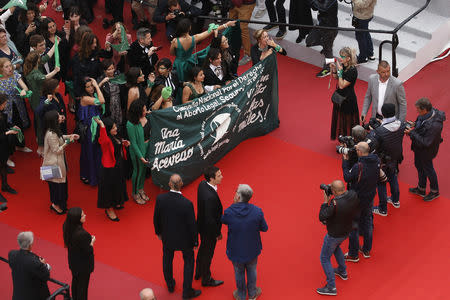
{"points": [[337, 213], [175, 225], [362, 178], [147, 294]]}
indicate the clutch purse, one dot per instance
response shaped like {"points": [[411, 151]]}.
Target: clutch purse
{"points": [[50, 172], [337, 98]]}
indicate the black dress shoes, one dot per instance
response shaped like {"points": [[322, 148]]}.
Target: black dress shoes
{"points": [[197, 276], [171, 288], [212, 282], [192, 294], [8, 189]]}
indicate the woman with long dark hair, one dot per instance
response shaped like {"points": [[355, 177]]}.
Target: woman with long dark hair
{"points": [[345, 115], [7, 143], [137, 89], [112, 187], [51, 99], [54, 145], [79, 244], [138, 128], [231, 60], [91, 104], [194, 88]]}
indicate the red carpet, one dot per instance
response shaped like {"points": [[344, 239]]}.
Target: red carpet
{"points": [[410, 253]]}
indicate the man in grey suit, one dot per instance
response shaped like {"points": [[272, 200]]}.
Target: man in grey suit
{"points": [[384, 88]]}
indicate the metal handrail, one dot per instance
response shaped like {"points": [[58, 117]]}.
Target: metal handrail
{"points": [[64, 290], [394, 41]]}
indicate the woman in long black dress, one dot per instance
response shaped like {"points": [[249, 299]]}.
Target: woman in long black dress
{"points": [[345, 116], [79, 244], [112, 187], [7, 143]]}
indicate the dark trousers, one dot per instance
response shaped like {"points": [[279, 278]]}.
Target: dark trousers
{"points": [[204, 257], [188, 273], [58, 194], [425, 169], [364, 39], [80, 284], [365, 225], [116, 9], [280, 11]]}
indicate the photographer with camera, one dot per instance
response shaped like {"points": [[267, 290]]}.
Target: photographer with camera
{"points": [[425, 134], [362, 178], [347, 143], [389, 136], [172, 11], [337, 214]]}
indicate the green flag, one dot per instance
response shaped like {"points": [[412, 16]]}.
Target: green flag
{"points": [[119, 79], [17, 3], [57, 63], [124, 45]]}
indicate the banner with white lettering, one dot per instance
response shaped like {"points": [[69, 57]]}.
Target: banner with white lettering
{"points": [[187, 138]]}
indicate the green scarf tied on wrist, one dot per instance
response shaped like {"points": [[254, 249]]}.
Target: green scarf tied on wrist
{"points": [[212, 27], [94, 127], [19, 134], [27, 95], [97, 102], [166, 92]]}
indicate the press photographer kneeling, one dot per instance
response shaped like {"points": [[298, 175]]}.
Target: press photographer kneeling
{"points": [[337, 214]]}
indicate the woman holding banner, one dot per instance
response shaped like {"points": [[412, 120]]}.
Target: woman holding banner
{"points": [[194, 88], [264, 46]]}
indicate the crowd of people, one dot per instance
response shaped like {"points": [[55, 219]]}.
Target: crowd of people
{"points": [[113, 89]]}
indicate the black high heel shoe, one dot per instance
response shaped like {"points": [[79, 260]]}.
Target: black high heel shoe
{"points": [[116, 219]]}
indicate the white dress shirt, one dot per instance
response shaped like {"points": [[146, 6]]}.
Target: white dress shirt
{"points": [[381, 92], [213, 186], [219, 73]]}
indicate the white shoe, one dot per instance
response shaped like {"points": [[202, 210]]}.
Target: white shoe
{"points": [[260, 13], [10, 163], [24, 149]]}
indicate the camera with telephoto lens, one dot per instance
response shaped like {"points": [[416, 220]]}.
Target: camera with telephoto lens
{"points": [[177, 14], [326, 188], [349, 145], [373, 123]]}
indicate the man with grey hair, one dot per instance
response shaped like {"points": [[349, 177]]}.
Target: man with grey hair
{"points": [[175, 226], [29, 271], [245, 221], [142, 53], [147, 294]]}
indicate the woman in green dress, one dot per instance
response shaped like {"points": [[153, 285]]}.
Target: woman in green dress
{"points": [[194, 88], [35, 79], [184, 44]]}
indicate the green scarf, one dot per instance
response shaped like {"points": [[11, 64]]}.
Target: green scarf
{"points": [[124, 45], [19, 134]]}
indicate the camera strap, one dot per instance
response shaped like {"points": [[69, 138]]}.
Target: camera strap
{"points": [[360, 168]]}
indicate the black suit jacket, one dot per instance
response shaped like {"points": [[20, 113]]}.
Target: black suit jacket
{"points": [[209, 210], [81, 253], [174, 220], [212, 79], [161, 80], [137, 57], [29, 276]]}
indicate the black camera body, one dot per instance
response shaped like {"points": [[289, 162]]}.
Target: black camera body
{"points": [[326, 188], [349, 148], [373, 123]]}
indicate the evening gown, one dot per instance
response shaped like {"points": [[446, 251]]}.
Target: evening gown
{"points": [[112, 187], [181, 64], [346, 115], [91, 154]]}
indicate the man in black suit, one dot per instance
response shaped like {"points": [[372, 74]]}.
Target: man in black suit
{"points": [[209, 212], [142, 53], [29, 271], [174, 221], [216, 73]]}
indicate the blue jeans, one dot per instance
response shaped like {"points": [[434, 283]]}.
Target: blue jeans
{"points": [[331, 246], [391, 175], [364, 39], [365, 225], [425, 169], [239, 274]]}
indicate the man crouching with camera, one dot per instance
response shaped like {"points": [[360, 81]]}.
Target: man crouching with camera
{"points": [[337, 214]]}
